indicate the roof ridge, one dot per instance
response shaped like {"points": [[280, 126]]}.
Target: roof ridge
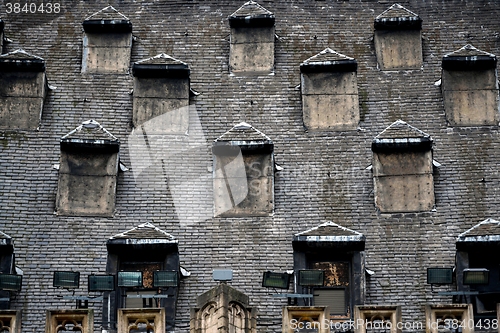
{"points": [[469, 47], [329, 223], [106, 8], [251, 2], [394, 7], [90, 124], [487, 221], [142, 225], [161, 56], [243, 126], [327, 51], [401, 122], [21, 51]]}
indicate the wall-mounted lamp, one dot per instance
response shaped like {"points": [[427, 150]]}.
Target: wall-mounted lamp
{"points": [[165, 279], [101, 283], [222, 274], [437, 275], [275, 280], [10, 282], [311, 277], [67, 280], [129, 279], [476, 276]]}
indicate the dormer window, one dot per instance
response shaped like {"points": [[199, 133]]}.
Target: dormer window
{"points": [[329, 92], [243, 173], [403, 169], [107, 43], [398, 43], [88, 172], [161, 92], [252, 40], [470, 87], [23, 87]]}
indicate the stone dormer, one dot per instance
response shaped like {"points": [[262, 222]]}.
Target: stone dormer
{"points": [[144, 248], [23, 87], [252, 40], [470, 87], [161, 92], [88, 171], [403, 169], [398, 43], [329, 78], [243, 164], [338, 252], [107, 42], [476, 252]]}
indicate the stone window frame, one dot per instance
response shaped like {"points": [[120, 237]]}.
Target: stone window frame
{"points": [[15, 319], [370, 313], [435, 313], [290, 313], [83, 317], [157, 316]]}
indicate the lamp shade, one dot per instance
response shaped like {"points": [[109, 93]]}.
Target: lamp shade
{"points": [[311, 277], [165, 279], [476, 276], [437, 275], [10, 282], [275, 280], [67, 280], [129, 279], [101, 283]]}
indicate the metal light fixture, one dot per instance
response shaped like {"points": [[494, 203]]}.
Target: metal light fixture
{"points": [[275, 280], [436, 275], [67, 280], [165, 279], [476, 276], [101, 283], [129, 279], [10, 282], [311, 277]]}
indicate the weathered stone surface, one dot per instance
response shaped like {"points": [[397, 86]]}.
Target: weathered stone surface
{"points": [[327, 83], [330, 111], [106, 53], [398, 49], [87, 184], [399, 164], [252, 51], [161, 88], [409, 193]]}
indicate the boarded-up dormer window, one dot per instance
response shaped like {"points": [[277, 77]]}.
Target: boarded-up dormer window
{"points": [[403, 169], [470, 87], [329, 92], [252, 40], [23, 87], [161, 91], [107, 42], [398, 43], [88, 172], [243, 173]]}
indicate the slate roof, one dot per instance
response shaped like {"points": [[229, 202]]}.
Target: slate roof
{"points": [[4, 236], [330, 229], [145, 231], [90, 130], [243, 132], [485, 231], [108, 13], [249, 9]]}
